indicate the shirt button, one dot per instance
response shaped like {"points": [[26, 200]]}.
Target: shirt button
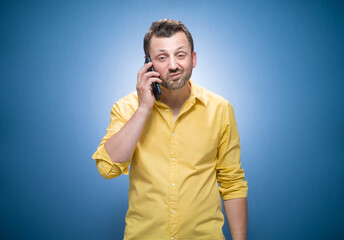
{"points": [[173, 159], [167, 110], [173, 184], [173, 134], [172, 238], [173, 211]]}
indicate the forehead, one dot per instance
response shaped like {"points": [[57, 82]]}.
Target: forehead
{"points": [[176, 41]]}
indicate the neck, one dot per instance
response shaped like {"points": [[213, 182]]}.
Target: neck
{"points": [[175, 98]]}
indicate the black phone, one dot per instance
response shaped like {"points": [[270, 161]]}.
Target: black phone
{"points": [[155, 85]]}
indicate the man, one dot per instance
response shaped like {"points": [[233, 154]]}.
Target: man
{"points": [[179, 147]]}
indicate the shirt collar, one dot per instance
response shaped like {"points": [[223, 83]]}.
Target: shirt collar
{"points": [[197, 92]]}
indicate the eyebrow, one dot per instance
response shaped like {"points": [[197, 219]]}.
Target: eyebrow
{"points": [[163, 50]]}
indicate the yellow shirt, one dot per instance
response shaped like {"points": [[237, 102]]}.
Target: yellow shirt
{"points": [[173, 190]]}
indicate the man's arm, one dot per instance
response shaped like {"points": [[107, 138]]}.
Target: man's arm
{"points": [[236, 212], [122, 144]]}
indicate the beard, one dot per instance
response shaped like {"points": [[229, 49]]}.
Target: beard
{"points": [[176, 82]]}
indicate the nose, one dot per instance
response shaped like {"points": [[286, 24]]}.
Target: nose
{"points": [[173, 65]]}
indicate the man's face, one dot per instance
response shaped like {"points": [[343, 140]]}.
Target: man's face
{"points": [[173, 59]]}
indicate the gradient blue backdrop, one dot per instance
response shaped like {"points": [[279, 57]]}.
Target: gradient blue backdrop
{"points": [[65, 63]]}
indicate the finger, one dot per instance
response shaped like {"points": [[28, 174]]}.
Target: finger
{"points": [[148, 87], [147, 83], [151, 80], [151, 74], [145, 68], [146, 76]]}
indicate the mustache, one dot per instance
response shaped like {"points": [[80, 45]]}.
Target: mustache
{"points": [[172, 72], [177, 70]]}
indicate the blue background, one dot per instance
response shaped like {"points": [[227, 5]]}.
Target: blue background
{"points": [[65, 63]]}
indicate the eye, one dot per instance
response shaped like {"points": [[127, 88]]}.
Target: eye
{"points": [[181, 55], [162, 58]]}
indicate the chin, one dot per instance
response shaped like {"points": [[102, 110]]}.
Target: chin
{"points": [[174, 85]]}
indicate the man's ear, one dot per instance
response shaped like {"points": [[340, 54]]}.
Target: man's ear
{"points": [[194, 59]]}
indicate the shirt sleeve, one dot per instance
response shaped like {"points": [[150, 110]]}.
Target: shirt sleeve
{"points": [[107, 168], [229, 173]]}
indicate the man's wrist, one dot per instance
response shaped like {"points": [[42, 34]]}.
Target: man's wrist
{"points": [[143, 111]]}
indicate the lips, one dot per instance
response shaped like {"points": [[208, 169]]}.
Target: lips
{"points": [[175, 75]]}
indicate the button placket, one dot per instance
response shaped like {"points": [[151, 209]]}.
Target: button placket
{"points": [[172, 180]]}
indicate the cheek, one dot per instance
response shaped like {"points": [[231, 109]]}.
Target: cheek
{"points": [[160, 68], [187, 65]]}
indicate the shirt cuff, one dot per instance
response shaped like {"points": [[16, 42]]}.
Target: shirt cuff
{"points": [[232, 183], [106, 167]]}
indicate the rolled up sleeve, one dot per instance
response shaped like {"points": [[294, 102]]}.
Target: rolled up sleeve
{"points": [[230, 175], [107, 168]]}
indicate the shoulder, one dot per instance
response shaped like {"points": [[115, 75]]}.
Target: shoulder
{"points": [[129, 100], [216, 105], [219, 107], [213, 99], [126, 106]]}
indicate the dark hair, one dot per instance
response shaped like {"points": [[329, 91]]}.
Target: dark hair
{"points": [[165, 28]]}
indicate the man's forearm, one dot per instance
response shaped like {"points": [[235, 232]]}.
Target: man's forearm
{"points": [[122, 144], [236, 212]]}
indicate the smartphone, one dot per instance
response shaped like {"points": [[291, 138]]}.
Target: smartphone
{"points": [[155, 85]]}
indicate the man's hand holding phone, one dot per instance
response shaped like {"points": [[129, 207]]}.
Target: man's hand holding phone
{"points": [[121, 145], [145, 79]]}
